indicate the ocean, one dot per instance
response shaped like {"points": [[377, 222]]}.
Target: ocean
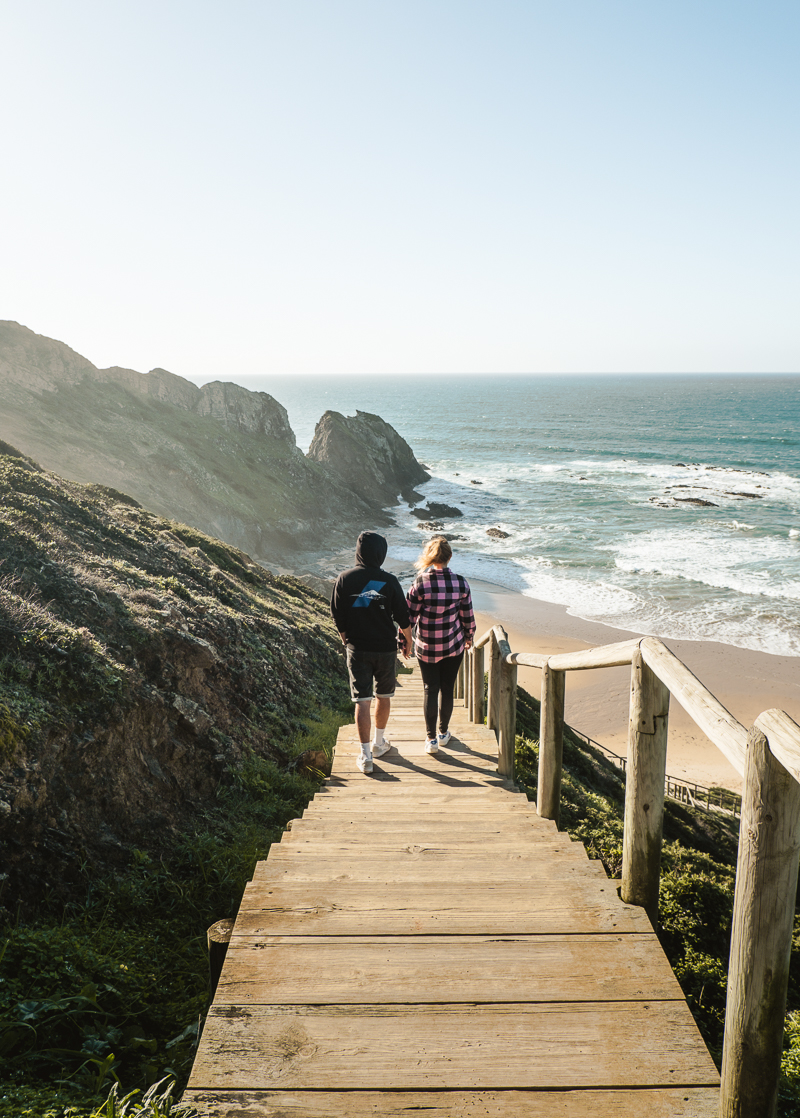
{"points": [[597, 482]]}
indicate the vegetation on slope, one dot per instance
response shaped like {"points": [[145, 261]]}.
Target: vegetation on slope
{"points": [[698, 869], [141, 661], [157, 693]]}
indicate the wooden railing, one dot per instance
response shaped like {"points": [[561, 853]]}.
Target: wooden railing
{"points": [[767, 756]]}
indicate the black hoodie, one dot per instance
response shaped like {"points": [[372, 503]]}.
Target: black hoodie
{"points": [[367, 601]]}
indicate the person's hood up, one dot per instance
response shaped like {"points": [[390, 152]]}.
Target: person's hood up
{"points": [[370, 550]]}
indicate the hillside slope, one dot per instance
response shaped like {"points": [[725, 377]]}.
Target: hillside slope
{"points": [[140, 663]]}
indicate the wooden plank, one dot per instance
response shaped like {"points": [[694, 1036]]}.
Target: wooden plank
{"points": [[487, 1047], [475, 787], [350, 970], [388, 870], [437, 773], [390, 849], [465, 823], [421, 761], [439, 858], [395, 833], [444, 802], [431, 908], [410, 778], [684, 1102]]}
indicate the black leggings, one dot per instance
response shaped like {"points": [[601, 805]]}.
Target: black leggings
{"points": [[438, 678]]}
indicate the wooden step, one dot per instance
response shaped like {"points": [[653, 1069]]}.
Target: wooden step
{"points": [[421, 941]]}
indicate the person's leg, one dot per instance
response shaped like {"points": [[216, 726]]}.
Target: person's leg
{"points": [[384, 670], [383, 705], [360, 672], [363, 721], [448, 673], [429, 670]]}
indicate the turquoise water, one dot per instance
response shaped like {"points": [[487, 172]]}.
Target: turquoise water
{"points": [[590, 475]]}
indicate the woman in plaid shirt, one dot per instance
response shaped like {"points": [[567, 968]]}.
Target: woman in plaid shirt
{"points": [[440, 607]]}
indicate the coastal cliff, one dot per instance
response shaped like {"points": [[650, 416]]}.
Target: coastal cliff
{"points": [[221, 458]]}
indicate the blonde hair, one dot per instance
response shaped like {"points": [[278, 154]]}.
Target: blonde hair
{"points": [[436, 550]]}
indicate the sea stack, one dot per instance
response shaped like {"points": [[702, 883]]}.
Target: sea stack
{"points": [[369, 456]]}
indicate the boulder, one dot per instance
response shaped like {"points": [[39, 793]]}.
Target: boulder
{"points": [[497, 533], [437, 511], [368, 455]]}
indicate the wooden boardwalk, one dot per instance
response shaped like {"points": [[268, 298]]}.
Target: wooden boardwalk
{"points": [[422, 941]]}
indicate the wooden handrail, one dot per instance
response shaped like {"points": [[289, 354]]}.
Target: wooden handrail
{"points": [[768, 757], [606, 656], [714, 720], [783, 735]]}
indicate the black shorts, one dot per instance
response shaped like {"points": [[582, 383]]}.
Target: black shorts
{"points": [[363, 667]]}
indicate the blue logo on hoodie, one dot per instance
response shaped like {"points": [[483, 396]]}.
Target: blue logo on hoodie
{"points": [[370, 593]]}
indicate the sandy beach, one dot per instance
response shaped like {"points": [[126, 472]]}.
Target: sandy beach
{"points": [[745, 682]]}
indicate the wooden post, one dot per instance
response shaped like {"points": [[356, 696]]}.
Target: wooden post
{"points": [[218, 937], [507, 719], [470, 668], [465, 668], [644, 788], [494, 684], [477, 684], [459, 692], [761, 938], [551, 744]]}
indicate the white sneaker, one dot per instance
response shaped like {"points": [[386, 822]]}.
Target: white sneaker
{"points": [[444, 738], [364, 762], [432, 746], [379, 750]]}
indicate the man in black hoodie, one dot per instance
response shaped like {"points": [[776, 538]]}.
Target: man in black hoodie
{"points": [[366, 603]]}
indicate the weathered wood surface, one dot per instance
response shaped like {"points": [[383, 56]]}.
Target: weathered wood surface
{"points": [[554, 864], [683, 1102], [352, 908], [606, 656], [551, 745], [708, 712], [422, 940], [783, 735], [549, 1046], [349, 969], [644, 787], [761, 936]]}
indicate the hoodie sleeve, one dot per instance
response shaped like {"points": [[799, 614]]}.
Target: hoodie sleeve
{"points": [[337, 607]]}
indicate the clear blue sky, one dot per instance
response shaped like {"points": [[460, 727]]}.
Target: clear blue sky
{"points": [[365, 186]]}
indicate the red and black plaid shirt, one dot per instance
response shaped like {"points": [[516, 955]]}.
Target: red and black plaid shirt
{"points": [[440, 605]]}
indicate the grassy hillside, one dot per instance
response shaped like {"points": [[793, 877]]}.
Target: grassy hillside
{"points": [[141, 662], [158, 695]]}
